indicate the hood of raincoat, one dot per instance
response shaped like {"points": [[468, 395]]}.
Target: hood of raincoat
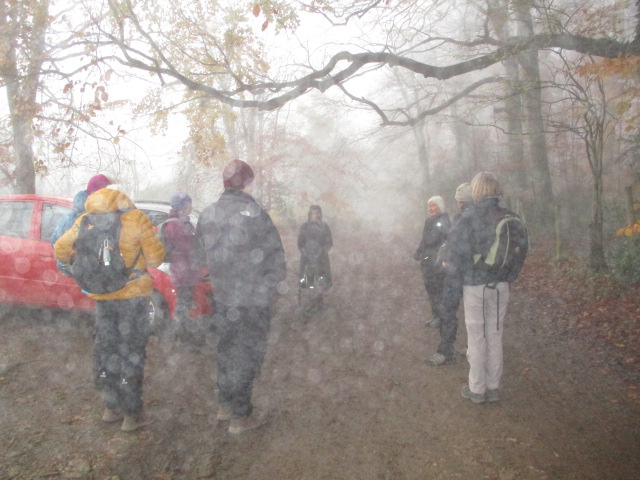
{"points": [[108, 200], [316, 208]]}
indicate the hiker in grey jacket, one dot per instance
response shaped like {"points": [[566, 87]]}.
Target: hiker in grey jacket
{"points": [[246, 262]]}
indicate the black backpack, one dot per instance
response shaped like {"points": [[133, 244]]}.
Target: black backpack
{"points": [[163, 240], [96, 263], [504, 253]]}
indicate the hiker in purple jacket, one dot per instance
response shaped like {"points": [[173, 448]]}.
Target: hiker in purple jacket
{"points": [[185, 273]]}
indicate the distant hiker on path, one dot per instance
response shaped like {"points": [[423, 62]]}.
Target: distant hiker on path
{"points": [[314, 243], [246, 262]]}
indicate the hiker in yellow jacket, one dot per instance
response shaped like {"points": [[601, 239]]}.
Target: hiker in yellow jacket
{"points": [[121, 316]]}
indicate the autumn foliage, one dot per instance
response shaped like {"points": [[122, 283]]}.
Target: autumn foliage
{"points": [[631, 229], [592, 306]]}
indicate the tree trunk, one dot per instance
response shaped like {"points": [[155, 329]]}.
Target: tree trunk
{"points": [[595, 154], [22, 88], [517, 177], [631, 214], [513, 105], [596, 255], [423, 155], [542, 189]]}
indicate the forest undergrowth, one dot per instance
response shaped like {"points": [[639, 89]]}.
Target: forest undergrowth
{"points": [[594, 307]]}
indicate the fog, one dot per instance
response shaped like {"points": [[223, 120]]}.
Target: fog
{"points": [[367, 108]]}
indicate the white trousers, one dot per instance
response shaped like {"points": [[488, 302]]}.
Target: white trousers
{"points": [[485, 310]]}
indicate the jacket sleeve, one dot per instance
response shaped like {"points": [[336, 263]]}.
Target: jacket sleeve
{"points": [[423, 241], [150, 244], [302, 240], [276, 266], [65, 224], [64, 245], [328, 244]]}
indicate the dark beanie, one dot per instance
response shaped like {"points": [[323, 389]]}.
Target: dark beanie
{"points": [[97, 182], [179, 201], [237, 174]]}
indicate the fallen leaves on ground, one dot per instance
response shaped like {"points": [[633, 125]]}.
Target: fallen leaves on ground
{"points": [[589, 305]]}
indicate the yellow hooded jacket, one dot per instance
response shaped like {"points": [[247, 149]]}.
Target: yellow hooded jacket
{"points": [[137, 234]]}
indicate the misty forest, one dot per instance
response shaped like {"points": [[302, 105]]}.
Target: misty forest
{"points": [[367, 108]]}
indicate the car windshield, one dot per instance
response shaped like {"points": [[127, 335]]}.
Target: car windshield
{"points": [[160, 212]]}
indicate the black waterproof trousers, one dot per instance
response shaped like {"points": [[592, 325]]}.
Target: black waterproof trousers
{"points": [[451, 296], [121, 334], [433, 279], [242, 345]]}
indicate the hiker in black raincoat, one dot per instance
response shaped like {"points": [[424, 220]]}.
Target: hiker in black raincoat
{"points": [[314, 243], [246, 261], [452, 290], [434, 234]]}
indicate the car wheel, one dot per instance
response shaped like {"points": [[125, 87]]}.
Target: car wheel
{"points": [[159, 315]]}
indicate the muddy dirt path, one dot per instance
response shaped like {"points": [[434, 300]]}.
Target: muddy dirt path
{"points": [[348, 393]]}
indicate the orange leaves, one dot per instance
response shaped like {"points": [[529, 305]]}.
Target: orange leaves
{"points": [[625, 67], [61, 147], [256, 13], [630, 230]]}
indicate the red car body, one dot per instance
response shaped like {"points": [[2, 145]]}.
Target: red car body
{"points": [[28, 272]]}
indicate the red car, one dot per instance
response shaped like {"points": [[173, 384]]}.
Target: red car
{"points": [[28, 272]]}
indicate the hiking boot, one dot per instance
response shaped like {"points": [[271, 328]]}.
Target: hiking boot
{"points": [[240, 425], [224, 413], [474, 397], [439, 359], [131, 423], [492, 395], [462, 351], [434, 323], [110, 416]]}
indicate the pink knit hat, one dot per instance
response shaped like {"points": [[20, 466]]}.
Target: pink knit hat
{"points": [[97, 182]]}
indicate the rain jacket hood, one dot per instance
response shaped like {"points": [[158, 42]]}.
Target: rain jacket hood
{"points": [[108, 200], [311, 209]]}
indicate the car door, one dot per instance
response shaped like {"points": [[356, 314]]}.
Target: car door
{"points": [[28, 272], [54, 288], [16, 219]]}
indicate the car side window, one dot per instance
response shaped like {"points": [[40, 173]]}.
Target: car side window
{"points": [[156, 216], [15, 219], [51, 216]]}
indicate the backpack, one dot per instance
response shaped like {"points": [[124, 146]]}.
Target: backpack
{"points": [[163, 240], [504, 253], [96, 263]]}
